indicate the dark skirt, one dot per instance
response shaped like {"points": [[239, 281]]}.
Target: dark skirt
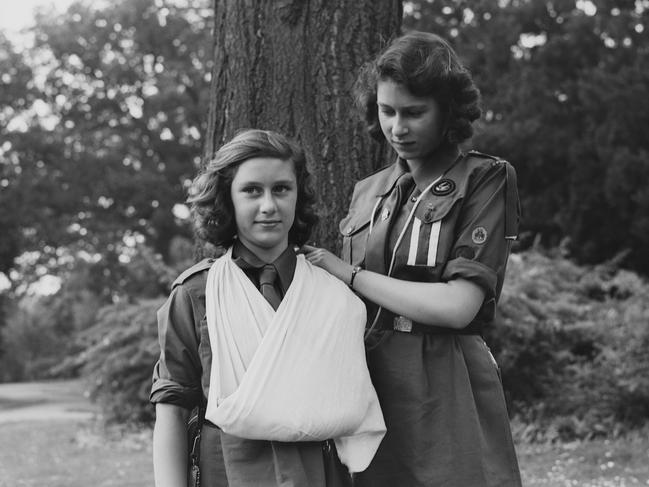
{"points": [[445, 413]]}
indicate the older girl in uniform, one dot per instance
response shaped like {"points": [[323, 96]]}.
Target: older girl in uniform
{"points": [[425, 243], [252, 336]]}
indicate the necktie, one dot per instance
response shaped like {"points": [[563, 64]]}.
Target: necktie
{"points": [[267, 285], [377, 253]]}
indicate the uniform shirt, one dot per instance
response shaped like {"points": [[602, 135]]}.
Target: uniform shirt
{"points": [[182, 377], [456, 231]]}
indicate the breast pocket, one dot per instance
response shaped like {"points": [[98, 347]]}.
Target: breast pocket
{"points": [[430, 236], [355, 231]]}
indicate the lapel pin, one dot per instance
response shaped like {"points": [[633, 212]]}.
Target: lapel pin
{"points": [[443, 187]]}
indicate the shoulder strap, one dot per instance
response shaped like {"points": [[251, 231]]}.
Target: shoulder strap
{"points": [[476, 153], [203, 265], [512, 204]]}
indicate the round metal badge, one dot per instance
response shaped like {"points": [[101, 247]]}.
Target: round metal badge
{"points": [[443, 187]]}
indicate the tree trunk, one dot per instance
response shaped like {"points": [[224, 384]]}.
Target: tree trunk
{"points": [[289, 65]]}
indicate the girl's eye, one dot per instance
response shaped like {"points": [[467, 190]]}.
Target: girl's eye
{"points": [[282, 188], [386, 111], [252, 190], [415, 113]]}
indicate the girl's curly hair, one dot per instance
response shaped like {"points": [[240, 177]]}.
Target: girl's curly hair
{"points": [[427, 66], [209, 194]]}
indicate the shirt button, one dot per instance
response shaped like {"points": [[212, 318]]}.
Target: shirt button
{"points": [[413, 199]]}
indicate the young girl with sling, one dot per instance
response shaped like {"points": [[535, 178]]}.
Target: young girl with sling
{"points": [[270, 343]]}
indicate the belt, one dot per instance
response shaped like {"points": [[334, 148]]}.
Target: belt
{"points": [[406, 325]]}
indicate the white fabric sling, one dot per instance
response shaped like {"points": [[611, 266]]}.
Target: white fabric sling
{"points": [[295, 374]]}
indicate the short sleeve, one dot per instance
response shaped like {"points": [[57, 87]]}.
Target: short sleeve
{"points": [[177, 374], [481, 248]]}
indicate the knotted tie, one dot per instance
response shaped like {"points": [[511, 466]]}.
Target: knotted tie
{"points": [[267, 285], [377, 253]]}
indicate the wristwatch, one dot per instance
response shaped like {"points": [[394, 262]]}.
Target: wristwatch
{"points": [[355, 271]]}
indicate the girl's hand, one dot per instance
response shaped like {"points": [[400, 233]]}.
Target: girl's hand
{"points": [[328, 261]]}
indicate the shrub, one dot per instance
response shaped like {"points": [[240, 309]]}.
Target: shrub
{"points": [[117, 357], [571, 342]]}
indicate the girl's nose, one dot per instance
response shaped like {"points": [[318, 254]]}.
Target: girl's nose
{"points": [[399, 129], [268, 204]]}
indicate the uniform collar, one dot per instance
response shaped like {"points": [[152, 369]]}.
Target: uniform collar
{"points": [[424, 181], [285, 263], [399, 168]]}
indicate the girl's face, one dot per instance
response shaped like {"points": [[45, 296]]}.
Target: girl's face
{"points": [[264, 194], [413, 125]]}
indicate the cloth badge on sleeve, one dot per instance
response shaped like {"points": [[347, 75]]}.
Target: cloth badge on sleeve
{"points": [[479, 235], [443, 187]]}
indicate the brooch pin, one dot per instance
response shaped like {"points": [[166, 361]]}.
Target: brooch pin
{"points": [[443, 187], [429, 214], [385, 214]]}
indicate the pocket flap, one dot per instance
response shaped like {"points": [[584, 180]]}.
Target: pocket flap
{"points": [[433, 208], [353, 223]]}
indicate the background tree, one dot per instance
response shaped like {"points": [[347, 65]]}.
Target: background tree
{"points": [[101, 124], [290, 66], [565, 92], [99, 144]]}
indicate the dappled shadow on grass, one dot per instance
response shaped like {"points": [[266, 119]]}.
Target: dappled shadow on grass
{"points": [[621, 462], [73, 454]]}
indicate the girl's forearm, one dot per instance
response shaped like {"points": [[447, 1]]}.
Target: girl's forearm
{"points": [[170, 446], [453, 304]]}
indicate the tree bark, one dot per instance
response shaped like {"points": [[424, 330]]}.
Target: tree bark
{"points": [[289, 65]]}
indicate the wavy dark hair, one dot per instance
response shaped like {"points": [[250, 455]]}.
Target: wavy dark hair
{"points": [[427, 66], [209, 194]]}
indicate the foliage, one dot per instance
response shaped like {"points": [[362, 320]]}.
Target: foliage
{"points": [[118, 355], [39, 330], [101, 125], [42, 332], [566, 99], [571, 343]]}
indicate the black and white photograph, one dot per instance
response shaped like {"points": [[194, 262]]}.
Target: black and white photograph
{"points": [[307, 243]]}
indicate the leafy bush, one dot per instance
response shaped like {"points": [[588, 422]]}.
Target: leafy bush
{"points": [[118, 355], [39, 331], [571, 342]]}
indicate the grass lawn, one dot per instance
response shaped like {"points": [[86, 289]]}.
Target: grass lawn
{"points": [[601, 463], [72, 454], [78, 454]]}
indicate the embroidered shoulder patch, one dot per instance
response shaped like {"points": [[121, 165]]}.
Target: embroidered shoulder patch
{"points": [[479, 235], [443, 187]]}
